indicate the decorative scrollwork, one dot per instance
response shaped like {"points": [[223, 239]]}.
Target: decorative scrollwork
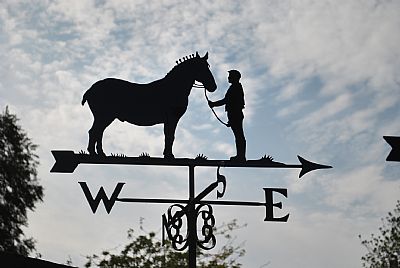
{"points": [[173, 224], [200, 216], [221, 179], [206, 212]]}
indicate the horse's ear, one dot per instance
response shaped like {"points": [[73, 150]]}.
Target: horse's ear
{"points": [[206, 56], [197, 55]]}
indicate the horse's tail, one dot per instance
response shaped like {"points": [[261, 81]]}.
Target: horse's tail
{"points": [[85, 96]]}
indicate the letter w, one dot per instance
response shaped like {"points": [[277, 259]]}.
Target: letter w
{"points": [[101, 196]]}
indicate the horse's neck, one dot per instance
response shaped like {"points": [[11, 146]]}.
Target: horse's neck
{"points": [[181, 83]]}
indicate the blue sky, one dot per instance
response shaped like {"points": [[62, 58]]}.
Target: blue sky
{"points": [[321, 80]]}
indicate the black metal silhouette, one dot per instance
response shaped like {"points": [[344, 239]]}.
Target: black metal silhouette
{"points": [[196, 209], [234, 104], [212, 108], [173, 222], [67, 161], [394, 154], [164, 102], [160, 102]]}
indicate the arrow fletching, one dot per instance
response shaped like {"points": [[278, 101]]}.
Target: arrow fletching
{"points": [[65, 161], [394, 154]]}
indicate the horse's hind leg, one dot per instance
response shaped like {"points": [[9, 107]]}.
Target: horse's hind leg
{"points": [[92, 140], [96, 134], [103, 126]]}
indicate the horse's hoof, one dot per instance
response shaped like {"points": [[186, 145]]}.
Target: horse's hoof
{"points": [[238, 158], [101, 154], [169, 156]]}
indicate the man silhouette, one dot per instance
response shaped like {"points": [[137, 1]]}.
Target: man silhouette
{"points": [[234, 104]]}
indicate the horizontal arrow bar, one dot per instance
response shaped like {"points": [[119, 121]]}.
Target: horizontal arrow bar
{"points": [[67, 161], [233, 203], [196, 200], [185, 201], [153, 200]]}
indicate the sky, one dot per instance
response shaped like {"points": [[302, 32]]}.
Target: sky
{"points": [[321, 80]]}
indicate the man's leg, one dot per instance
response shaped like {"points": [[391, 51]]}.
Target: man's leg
{"points": [[240, 140]]}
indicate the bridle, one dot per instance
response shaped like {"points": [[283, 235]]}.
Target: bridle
{"points": [[212, 109]]}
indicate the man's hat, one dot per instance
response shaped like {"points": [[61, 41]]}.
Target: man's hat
{"points": [[235, 73]]}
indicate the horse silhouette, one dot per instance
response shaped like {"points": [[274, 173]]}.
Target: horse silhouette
{"points": [[162, 101]]}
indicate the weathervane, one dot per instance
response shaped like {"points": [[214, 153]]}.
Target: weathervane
{"points": [[164, 102], [394, 154]]}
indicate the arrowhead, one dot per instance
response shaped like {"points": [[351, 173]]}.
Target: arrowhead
{"points": [[394, 154], [65, 162], [308, 166]]}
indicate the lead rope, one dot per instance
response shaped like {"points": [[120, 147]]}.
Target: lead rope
{"points": [[212, 109]]}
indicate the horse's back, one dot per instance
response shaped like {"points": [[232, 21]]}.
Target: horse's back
{"points": [[112, 86], [115, 90], [141, 104]]}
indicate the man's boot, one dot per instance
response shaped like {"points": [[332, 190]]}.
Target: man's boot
{"points": [[241, 151]]}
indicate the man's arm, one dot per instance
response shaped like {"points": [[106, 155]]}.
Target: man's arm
{"points": [[217, 103]]}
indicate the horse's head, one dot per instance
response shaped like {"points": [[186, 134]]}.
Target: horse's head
{"points": [[203, 74]]}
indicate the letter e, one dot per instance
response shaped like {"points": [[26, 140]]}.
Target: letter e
{"points": [[269, 204]]}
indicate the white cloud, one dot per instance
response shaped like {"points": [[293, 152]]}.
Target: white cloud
{"points": [[335, 41], [362, 191], [92, 24], [328, 110], [292, 109]]}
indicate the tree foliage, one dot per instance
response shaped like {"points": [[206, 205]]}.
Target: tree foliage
{"points": [[145, 251], [384, 249], [19, 187]]}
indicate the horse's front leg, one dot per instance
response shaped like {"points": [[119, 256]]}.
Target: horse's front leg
{"points": [[172, 118], [169, 137], [169, 133]]}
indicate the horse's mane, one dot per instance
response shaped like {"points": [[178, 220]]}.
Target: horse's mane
{"points": [[181, 63]]}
